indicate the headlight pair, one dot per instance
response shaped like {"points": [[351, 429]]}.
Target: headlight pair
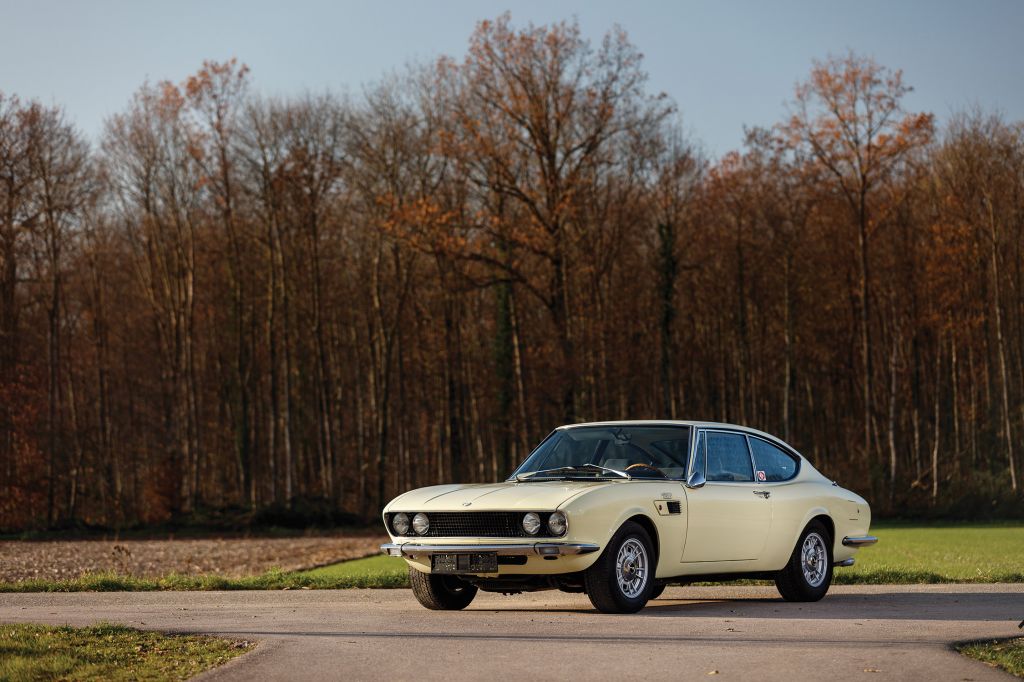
{"points": [[420, 523], [557, 523]]}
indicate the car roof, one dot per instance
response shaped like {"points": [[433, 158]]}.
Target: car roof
{"points": [[681, 422]]}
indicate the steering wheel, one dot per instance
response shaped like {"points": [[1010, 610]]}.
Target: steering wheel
{"points": [[642, 469]]}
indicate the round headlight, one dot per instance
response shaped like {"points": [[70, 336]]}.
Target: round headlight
{"points": [[400, 524], [531, 523], [420, 523], [557, 523]]}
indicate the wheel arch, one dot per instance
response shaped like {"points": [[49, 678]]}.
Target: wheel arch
{"points": [[647, 524], [826, 521], [815, 514]]}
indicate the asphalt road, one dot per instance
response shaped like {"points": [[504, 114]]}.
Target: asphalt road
{"points": [[861, 632]]}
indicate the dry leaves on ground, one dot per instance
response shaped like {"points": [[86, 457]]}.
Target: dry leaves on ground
{"points": [[228, 556]]}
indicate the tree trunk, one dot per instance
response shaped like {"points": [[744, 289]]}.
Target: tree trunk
{"points": [[865, 317], [892, 420], [667, 272], [937, 421], [1000, 343]]}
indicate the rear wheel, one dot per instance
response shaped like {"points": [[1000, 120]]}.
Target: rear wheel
{"points": [[441, 592], [808, 574], [622, 578], [656, 591]]}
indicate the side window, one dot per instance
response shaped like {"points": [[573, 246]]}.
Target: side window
{"points": [[698, 456], [728, 457], [774, 464]]}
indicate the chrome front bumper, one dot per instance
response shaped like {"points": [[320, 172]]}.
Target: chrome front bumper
{"points": [[413, 550], [859, 541]]}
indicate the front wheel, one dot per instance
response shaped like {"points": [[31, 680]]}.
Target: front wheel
{"points": [[808, 574], [622, 578], [441, 592]]}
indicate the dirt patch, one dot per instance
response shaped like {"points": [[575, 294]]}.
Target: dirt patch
{"points": [[231, 556]]}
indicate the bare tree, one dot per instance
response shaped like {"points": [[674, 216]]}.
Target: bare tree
{"points": [[850, 115]]}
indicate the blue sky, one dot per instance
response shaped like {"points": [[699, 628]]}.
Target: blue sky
{"points": [[726, 63]]}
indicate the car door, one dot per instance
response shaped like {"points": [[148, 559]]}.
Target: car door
{"points": [[778, 470], [729, 516]]}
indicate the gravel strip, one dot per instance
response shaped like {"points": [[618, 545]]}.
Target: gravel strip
{"points": [[231, 557]]}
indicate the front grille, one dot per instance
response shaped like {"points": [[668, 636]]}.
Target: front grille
{"points": [[490, 524]]}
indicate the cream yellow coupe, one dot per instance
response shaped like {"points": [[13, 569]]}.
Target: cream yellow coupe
{"points": [[619, 510]]}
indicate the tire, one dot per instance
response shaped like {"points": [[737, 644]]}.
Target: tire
{"points": [[656, 592], [808, 580], [630, 548], [441, 592]]}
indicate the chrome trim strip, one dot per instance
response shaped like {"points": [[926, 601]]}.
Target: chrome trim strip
{"points": [[844, 563], [859, 541], [411, 549]]}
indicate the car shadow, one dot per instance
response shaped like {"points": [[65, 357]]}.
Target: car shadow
{"points": [[889, 605], [352, 637], [895, 605]]}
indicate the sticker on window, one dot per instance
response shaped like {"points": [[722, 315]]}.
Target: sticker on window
{"points": [[761, 476]]}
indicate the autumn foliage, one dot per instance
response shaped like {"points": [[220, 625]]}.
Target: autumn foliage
{"points": [[231, 301]]}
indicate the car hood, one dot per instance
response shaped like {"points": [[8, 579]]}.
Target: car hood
{"points": [[505, 496]]}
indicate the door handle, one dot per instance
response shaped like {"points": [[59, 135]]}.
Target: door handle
{"points": [[763, 493]]}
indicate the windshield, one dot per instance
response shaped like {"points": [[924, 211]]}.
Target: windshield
{"points": [[588, 452]]}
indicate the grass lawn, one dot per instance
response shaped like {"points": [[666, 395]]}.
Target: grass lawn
{"points": [[1006, 654], [382, 568], [107, 652], [905, 554], [940, 552]]}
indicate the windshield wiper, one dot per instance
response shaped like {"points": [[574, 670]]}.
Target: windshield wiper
{"points": [[572, 469]]}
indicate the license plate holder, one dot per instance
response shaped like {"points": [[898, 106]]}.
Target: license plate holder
{"points": [[452, 563]]}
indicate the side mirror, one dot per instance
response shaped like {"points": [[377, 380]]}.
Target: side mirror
{"points": [[696, 480]]}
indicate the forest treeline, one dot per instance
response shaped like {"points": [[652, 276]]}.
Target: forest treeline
{"points": [[227, 300]]}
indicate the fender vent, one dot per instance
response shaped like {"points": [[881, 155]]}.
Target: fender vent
{"points": [[668, 507]]}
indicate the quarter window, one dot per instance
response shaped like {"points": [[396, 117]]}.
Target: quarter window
{"points": [[728, 457], [772, 462]]}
